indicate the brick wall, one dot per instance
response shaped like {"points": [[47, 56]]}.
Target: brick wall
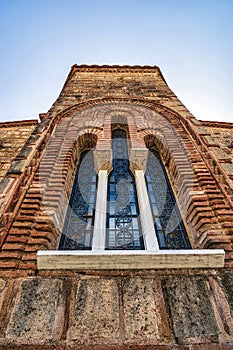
{"points": [[166, 310], [13, 155]]}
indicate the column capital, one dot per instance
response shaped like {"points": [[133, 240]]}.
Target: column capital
{"points": [[139, 158], [103, 159]]}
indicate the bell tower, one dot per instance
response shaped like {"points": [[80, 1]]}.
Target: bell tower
{"points": [[116, 220]]}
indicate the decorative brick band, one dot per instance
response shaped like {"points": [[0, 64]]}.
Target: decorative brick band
{"points": [[18, 123]]}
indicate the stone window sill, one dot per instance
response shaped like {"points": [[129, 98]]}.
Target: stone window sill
{"points": [[114, 260]]}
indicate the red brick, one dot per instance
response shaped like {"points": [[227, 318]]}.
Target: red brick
{"points": [[29, 257], [23, 224], [212, 346], [19, 231], [13, 246], [10, 254], [35, 247], [8, 264], [227, 346], [16, 239], [39, 241]]}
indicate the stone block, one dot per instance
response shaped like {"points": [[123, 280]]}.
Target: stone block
{"points": [[140, 310], [32, 139], [16, 167], [220, 154], [24, 152], [35, 310], [192, 314], [228, 168], [103, 159], [206, 346], [202, 130], [139, 158], [2, 290], [210, 141], [96, 312], [38, 129], [3, 184], [227, 346], [227, 282]]}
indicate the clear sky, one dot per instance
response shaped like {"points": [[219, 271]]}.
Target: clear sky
{"points": [[190, 40]]}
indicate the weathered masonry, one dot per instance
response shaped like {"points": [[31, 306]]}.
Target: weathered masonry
{"points": [[116, 220]]}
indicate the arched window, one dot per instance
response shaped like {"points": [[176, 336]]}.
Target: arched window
{"points": [[169, 227], [78, 227], [123, 224], [127, 226]]}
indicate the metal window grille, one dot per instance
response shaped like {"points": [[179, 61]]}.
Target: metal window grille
{"points": [[78, 227], [123, 224], [170, 230]]}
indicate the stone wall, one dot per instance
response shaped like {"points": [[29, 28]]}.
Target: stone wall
{"points": [[92, 83], [13, 137], [164, 310], [222, 133]]}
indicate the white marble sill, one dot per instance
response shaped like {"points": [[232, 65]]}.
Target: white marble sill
{"points": [[123, 259]]}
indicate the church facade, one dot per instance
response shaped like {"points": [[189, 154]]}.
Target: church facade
{"points": [[116, 220]]}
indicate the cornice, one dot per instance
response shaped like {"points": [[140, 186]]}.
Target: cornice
{"points": [[114, 68], [18, 123], [215, 124], [95, 68]]}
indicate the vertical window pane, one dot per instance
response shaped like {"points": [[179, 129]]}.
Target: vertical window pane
{"points": [[123, 226], [169, 226], [78, 227]]}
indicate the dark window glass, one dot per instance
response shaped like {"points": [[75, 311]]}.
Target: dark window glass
{"points": [[78, 228], [123, 225], [170, 230]]}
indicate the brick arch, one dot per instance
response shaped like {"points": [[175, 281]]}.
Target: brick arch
{"points": [[184, 165], [188, 172], [191, 182], [86, 140], [88, 127], [119, 122], [40, 218], [60, 179], [157, 107], [138, 112], [171, 151], [186, 125], [39, 228]]}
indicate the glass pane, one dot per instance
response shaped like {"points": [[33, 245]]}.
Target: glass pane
{"points": [[77, 231], [123, 214], [169, 226]]}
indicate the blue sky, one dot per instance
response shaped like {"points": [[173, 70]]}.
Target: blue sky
{"points": [[191, 41]]}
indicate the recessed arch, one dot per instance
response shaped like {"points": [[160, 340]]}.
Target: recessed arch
{"points": [[169, 225], [94, 117], [123, 218], [167, 112]]}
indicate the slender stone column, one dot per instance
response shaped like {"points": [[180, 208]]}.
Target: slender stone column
{"points": [[148, 230], [103, 163], [99, 233], [139, 162]]}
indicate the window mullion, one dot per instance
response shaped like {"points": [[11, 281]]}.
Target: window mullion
{"points": [[99, 233], [148, 230]]}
